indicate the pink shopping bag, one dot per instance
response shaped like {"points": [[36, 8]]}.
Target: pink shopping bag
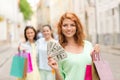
{"points": [[88, 73], [102, 67], [30, 68], [29, 61]]}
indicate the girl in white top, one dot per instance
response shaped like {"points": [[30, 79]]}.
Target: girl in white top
{"points": [[45, 70]]}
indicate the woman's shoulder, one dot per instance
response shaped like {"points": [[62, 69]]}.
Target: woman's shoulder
{"points": [[86, 42], [25, 43], [41, 40], [54, 40]]}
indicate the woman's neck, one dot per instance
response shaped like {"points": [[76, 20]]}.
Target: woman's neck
{"points": [[31, 41], [47, 39], [71, 41]]}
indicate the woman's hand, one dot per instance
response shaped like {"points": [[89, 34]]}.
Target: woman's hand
{"points": [[94, 53], [18, 48], [97, 48], [52, 63]]}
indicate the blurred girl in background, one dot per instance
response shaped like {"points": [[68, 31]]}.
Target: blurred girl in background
{"points": [[30, 42], [45, 69]]}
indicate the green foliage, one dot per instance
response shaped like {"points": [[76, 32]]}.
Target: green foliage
{"points": [[25, 8]]}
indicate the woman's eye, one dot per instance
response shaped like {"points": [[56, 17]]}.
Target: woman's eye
{"points": [[64, 25], [72, 25]]}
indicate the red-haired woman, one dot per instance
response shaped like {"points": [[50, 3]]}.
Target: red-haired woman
{"points": [[72, 38]]}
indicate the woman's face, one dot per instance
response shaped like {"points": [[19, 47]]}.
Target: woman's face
{"points": [[68, 28], [30, 34], [46, 32]]}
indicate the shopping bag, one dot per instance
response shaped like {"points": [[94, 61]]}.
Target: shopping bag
{"points": [[88, 73], [91, 73], [25, 68], [29, 66], [17, 67], [102, 67], [94, 73], [29, 62]]}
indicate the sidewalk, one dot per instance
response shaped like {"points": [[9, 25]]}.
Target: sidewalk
{"points": [[3, 55], [110, 49], [4, 47], [117, 47]]}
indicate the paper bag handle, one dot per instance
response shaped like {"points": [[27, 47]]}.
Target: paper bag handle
{"points": [[95, 56]]}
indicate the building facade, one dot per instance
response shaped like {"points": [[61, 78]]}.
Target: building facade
{"points": [[11, 21], [100, 18]]}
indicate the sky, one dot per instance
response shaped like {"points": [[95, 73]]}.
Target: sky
{"points": [[33, 2]]}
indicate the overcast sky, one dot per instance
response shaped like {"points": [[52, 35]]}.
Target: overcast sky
{"points": [[33, 2]]}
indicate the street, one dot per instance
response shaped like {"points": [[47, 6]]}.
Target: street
{"points": [[6, 54]]}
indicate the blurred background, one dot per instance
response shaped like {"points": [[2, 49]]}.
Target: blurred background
{"points": [[100, 18]]}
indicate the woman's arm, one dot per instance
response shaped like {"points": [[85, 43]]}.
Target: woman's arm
{"points": [[54, 65], [57, 75]]}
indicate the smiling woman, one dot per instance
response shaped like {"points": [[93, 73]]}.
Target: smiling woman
{"points": [[72, 39], [30, 37], [45, 70]]}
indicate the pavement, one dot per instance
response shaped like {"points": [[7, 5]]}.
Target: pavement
{"points": [[6, 53], [110, 49], [3, 49]]}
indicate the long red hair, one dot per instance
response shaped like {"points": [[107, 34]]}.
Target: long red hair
{"points": [[79, 35]]}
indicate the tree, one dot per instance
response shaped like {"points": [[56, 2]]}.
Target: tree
{"points": [[25, 8]]}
